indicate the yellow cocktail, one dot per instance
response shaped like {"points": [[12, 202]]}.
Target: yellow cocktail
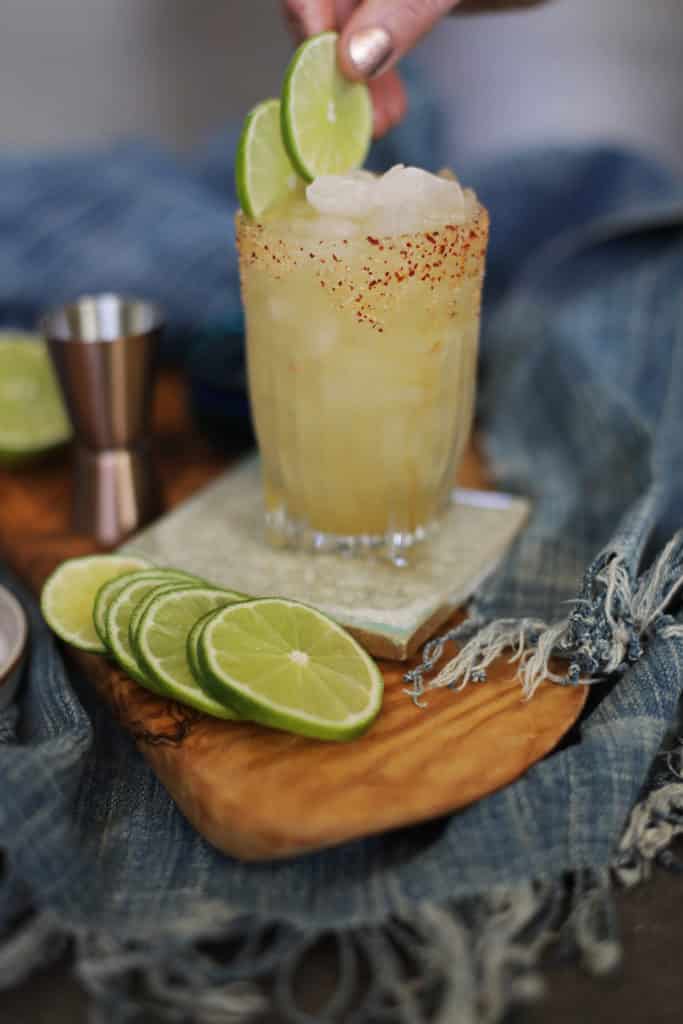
{"points": [[362, 351]]}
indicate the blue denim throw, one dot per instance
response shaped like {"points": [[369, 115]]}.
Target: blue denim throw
{"points": [[581, 399]]}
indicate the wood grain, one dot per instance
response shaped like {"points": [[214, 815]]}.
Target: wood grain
{"points": [[260, 794]]}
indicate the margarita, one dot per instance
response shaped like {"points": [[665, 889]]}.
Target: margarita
{"points": [[362, 298]]}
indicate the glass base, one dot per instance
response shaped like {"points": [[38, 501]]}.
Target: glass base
{"points": [[399, 548]]}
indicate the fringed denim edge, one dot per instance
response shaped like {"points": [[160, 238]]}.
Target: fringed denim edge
{"points": [[613, 618], [434, 964], [428, 963]]}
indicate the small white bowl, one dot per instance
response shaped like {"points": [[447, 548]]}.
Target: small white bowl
{"points": [[13, 642]]}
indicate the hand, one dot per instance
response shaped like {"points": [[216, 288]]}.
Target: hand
{"points": [[374, 34]]}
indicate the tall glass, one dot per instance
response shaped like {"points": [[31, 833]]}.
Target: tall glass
{"points": [[361, 355]]}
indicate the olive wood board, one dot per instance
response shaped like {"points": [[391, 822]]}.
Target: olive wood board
{"points": [[260, 794]]}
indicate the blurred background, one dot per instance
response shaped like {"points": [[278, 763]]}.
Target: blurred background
{"points": [[76, 71]]}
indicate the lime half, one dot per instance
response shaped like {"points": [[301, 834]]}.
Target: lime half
{"points": [[263, 172], [32, 416], [68, 597], [161, 640], [286, 665], [326, 120], [107, 593]]}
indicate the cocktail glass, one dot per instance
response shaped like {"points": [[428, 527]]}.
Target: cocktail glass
{"points": [[362, 354]]}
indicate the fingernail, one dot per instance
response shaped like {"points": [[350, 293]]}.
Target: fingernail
{"points": [[369, 50]]}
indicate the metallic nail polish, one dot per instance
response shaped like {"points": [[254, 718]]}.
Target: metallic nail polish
{"points": [[370, 49]]}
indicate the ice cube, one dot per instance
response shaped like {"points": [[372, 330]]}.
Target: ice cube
{"points": [[471, 204], [395, 220], [444, 200], [361, 175], [404, 200], [393, 170], [342, 195], [400, 185], [415, 200]]}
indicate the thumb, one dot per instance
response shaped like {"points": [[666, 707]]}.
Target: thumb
{"points": [[380, 32]]}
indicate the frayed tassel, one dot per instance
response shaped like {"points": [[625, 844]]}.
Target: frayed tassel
{"points": [[653, 825], [518, 926], [471, 662], [617, 612], [535, 663], [466, 962], [36, 943], [129, 982], [493, 963], [612, 618], [345, 987], [591, 928], [452, 959], [660, 584]]}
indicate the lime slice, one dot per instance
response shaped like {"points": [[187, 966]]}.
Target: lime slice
{"points": [[263, 172], [141, 608], [117, 622], [161, 638], [286, 665], [68, 596], [32, 416], [107, 592], [192, 647], [326, 120]]}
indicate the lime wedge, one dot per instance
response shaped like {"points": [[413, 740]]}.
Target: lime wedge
{"points": [[263, 172], [107, 592], [32, 416], [68, 597], [117, 622], [160, 643], [326, 120], [286, 665]]}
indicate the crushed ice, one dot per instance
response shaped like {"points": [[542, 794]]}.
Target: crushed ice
{"points": [[402, 201]]}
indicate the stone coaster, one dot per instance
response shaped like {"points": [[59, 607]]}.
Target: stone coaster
{"points": [[218, 534]]}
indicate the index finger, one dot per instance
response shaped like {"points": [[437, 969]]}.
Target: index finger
{"points": [[308, 17]]}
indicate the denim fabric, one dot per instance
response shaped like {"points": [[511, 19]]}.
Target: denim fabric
{"points": [[581, 398]]}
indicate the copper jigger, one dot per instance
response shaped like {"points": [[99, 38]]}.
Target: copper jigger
{"points": [[103, 348]]}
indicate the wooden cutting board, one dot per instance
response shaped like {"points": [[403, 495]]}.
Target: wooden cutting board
{"points": [[259, 794]]}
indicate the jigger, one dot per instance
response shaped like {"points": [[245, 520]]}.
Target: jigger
{"points": [[103, 348]]}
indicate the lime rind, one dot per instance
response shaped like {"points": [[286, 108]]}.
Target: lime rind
{"points": [[264, 175], [118, 623], [260, 667], [106, 594], [142, 607], [140, 610], [161, 641], [326, 121], [193, 646], [68, 596]]}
